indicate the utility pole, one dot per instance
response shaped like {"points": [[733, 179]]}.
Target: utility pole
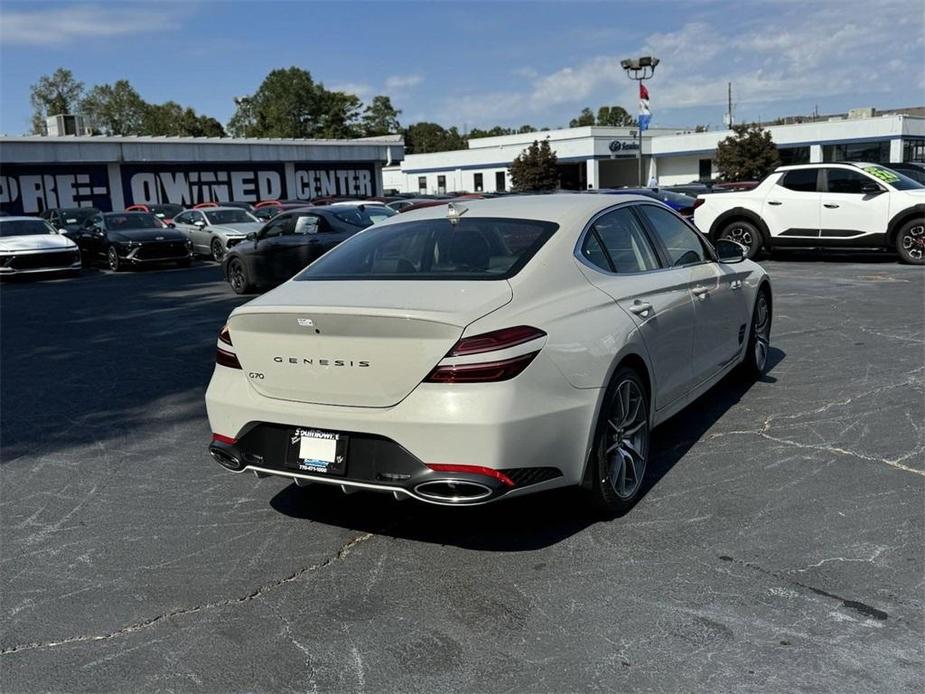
{"points": [[639, 69], [729, 102]]}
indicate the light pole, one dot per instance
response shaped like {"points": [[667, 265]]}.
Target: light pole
{"points": [[640, 69]]}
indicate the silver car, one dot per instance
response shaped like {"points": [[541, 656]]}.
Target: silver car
{"points": [[486, 349], [30, 245], [214, 230]]}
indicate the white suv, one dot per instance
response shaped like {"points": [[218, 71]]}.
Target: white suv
{"points": [[844, 205]]}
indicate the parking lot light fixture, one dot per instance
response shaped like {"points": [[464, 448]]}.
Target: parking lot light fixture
{"points": [[640, 69]]}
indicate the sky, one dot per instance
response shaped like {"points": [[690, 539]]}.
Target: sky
{"points": [[473, 64]]}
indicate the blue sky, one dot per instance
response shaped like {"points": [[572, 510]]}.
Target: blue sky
{"points": [[482, 64]]}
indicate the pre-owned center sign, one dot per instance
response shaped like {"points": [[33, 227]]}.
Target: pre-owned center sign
{"points": [[32, 188]]}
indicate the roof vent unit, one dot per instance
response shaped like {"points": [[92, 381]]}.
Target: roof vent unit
{"points": [[866, 112], [65, 124]]}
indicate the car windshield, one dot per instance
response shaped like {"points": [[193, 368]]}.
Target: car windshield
{"points": [[162, 211], [364, 216], [133, 220], [482, 248], [24, 227], [675, 198], [76, 216], [234, 216], [893, 178]]}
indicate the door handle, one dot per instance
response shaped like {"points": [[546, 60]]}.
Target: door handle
{"points": [[700, 292], [640, 308], [735, 284], [830, 205], [775, 202]]}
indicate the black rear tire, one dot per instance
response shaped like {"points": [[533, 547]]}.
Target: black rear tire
{"points": [[744, 233], [755, 363], [238, 278], [621, 445], [910, 242]]}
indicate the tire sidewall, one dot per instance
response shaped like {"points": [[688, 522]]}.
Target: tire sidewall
{"points": [[245, 284], [750, 367], [112, 253], [603, 497], [217, 257]]}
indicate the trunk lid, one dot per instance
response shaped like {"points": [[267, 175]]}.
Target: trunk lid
{"points": [[361, 344]]}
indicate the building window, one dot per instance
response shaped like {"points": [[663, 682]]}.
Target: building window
{"points": [[705, 172], [500, 181], [422, 184], [793, 155], [877, 152], [477, 182], [913, 150], [441, 184]]}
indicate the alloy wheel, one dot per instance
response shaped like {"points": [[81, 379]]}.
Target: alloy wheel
{"points": [[626, 440], [236, 276], [740, 235], [914, 242], [112, 257], [762, 329], [218, 250]]}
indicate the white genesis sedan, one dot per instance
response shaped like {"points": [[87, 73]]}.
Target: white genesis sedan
{"points": [[482, 350]]}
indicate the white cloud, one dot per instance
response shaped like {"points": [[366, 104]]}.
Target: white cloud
{"points": [[401, 83], [55, 26]]}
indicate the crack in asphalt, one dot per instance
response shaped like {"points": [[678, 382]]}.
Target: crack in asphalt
{"points": [[340, 555], [860, 607]]}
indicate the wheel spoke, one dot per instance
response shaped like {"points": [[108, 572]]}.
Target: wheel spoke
{"points": [[636, 427]]}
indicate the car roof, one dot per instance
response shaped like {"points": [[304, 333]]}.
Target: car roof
{"points": [[816, 165], [220, 208], [563, 209]]}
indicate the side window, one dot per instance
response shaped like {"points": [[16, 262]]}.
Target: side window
{"points": [[196, 217], [182, 218], [306, 224], [683, 245], [801, 180], [618, 243], [279, 226], [845, 181]]}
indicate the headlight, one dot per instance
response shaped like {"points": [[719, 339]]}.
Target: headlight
{"points": [[129, 244], [189, 244]]}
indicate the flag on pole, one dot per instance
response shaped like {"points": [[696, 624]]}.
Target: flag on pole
{"points": [[644, 114]]}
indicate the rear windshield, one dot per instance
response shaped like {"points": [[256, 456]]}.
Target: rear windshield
{"points": [[363, 216], [161, 211], [483, 248]]}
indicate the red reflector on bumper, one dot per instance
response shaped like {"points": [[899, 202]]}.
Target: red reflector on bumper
{"points": [[472, 470], [221, 438]]}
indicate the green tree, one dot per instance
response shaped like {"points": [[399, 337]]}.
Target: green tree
{"points": [[55, 94], [535, 168], [526, 129], [170, 118], [339, 115], [614, 116], [424, 137], [380, 117], [287, 103], [586, 118], [748, 154], [115, 109]]}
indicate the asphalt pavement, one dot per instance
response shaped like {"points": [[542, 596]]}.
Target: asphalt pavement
{"points": [[780, 545]]}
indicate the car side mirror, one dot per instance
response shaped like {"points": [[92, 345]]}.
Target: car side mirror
{"points": [[730, 252], [252, 236], [872, 188], [171, 225], [199, 223]]}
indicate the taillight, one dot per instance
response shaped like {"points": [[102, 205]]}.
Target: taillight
{"points": [[490, 370], [223, 356], [229, 359], [496, 340]]}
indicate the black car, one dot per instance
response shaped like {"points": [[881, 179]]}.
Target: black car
{"points": [[121, 239], [69, 220], [292, 240]]}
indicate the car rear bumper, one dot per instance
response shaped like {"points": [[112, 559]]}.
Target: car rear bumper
{"points": [[534, 430]]}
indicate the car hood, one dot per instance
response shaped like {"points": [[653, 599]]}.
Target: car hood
{"points": [[918, 194], [146, 235], [35, 242], [234, 229]]}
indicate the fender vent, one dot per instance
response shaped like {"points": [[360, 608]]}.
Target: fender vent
{"points": [[525, 476]]}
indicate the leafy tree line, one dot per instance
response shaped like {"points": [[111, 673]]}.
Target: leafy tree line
{"points": [[289, 103]]}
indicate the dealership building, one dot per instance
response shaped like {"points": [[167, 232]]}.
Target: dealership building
{"points": [[605, 157], [111, 173]]}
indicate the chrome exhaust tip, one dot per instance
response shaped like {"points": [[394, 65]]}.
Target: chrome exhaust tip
{"points": [[225, 459], [450, 491]]}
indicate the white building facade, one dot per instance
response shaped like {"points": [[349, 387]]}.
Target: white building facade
{"points": [[605, 157]]}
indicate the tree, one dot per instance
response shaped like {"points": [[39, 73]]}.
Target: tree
{"points": [[748, 154], [339, 115], [170, 118], [586, 118], [55, 94], [115, 109], [525, 129], [614, 116], [287, 103], [535, 168], [380, 117], [424, 137]]}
